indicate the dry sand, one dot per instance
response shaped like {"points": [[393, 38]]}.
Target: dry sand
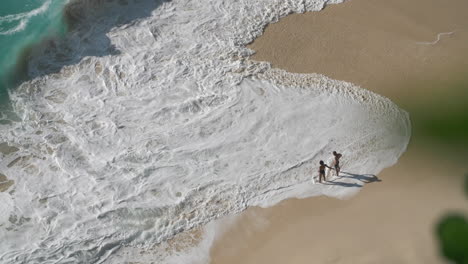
{"points": [[387, 47], [387, 222], [380, 45]]}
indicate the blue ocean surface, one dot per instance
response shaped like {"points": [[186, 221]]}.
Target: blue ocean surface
{"points": [[24, 23]]}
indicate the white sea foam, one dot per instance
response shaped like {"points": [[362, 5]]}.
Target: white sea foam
{"points": [[439, 37], [21, 20], [34, 12], [174, 130], [19, 27]]}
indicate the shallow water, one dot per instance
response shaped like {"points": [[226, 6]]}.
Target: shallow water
{"points": [[148, 119], [22, 24]]}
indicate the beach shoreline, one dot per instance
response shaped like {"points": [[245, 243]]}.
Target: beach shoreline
{"points": [[148, 134], [391, 221], [387, 222]]}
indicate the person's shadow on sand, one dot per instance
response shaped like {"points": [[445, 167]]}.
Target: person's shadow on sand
{"points": [[364, 178]]}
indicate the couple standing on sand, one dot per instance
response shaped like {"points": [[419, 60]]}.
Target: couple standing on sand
{"points": [[323, 165]]}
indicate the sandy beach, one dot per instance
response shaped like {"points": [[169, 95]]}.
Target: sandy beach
{"points": [[411, 52], [383, 46], [387, 222], [190, 132]]}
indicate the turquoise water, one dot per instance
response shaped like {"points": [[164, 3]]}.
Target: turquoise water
{"points": [[22, 24]]}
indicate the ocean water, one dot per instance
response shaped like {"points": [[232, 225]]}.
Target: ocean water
{"points": [[148, 119], [22, 24]]}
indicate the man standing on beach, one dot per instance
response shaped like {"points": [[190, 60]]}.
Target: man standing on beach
{"points": [[337, 162]]}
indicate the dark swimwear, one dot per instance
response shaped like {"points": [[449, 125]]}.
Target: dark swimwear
{"points": [[322, 172]]}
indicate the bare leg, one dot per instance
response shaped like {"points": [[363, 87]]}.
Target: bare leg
{"points": [[322, 175]]}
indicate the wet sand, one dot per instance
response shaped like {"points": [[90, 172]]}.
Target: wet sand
{"points": [[387, 222], [5, 183], [383, 46], [388, 47]]}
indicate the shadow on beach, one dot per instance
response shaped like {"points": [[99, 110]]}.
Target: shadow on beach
{"points": [[363, 178]]}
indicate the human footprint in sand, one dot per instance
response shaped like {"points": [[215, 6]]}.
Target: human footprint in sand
{"points": [[337, 162], [322, 171]]}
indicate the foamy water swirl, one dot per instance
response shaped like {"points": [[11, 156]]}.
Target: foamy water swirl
{"points": [[170, 126]]}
